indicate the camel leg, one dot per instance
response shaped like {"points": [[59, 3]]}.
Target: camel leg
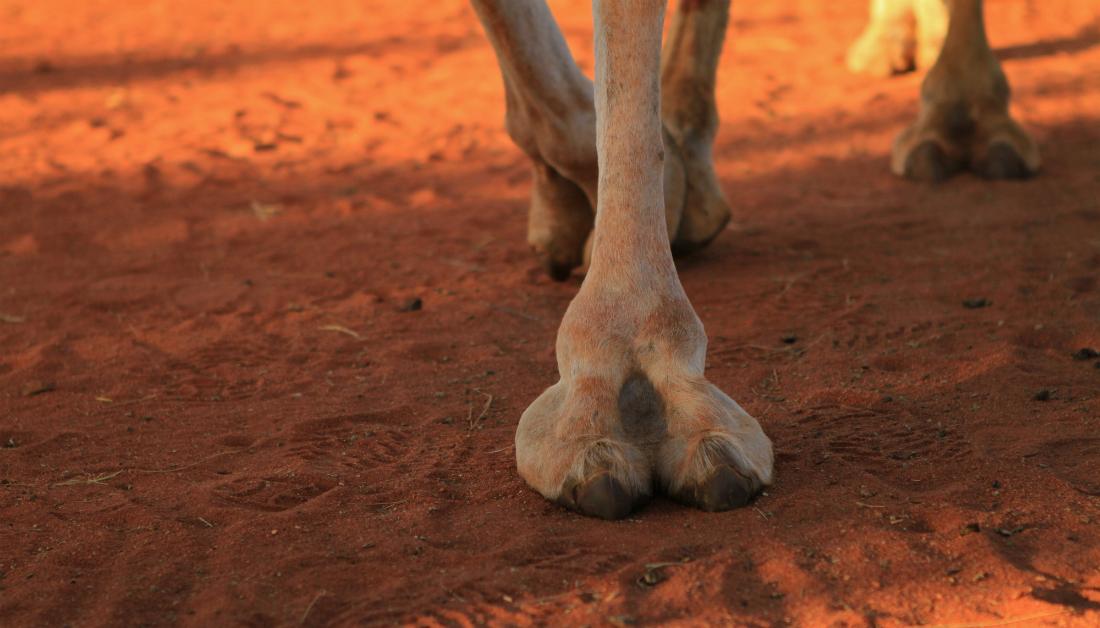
{"points": [[551, 117], [632, 410], [689, 71], [964, 121], [931, 17], [901, 35]]}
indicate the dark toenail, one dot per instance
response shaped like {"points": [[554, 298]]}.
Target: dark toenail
{"points": [[725, 489], [928, 162], [601, 496], [559, 271], [1002, 162]]}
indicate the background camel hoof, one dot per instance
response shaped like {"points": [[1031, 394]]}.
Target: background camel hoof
{"points": [[1002, 161], [929, 163]]}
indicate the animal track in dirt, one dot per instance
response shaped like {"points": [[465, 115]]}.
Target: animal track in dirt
{"points": [[1076, 462], [273, 493], [357, 442], [562, 555], [883, 443]]}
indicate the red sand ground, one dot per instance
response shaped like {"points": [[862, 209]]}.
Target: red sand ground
{"points": [[214, 412]]}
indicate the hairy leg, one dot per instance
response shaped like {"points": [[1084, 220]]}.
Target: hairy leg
{"points": [[632, 409], [964, 121]]}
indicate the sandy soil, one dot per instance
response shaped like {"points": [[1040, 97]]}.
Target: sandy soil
{"points": [[217, 406]]}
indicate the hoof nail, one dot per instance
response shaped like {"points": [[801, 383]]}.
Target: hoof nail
{"points": [[928, 162], [1003, 162], [725, 489], [557, 270], [600, 496]]}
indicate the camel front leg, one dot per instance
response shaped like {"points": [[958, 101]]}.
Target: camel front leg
{"points": [[632, 411]]}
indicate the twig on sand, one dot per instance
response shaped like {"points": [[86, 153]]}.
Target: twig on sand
{"points": [[386, 504], [497, 451], [188, 465], [264, 211], [342, 330], [98, 479], [474, 422], [677, 563], [320, 594], [453, 594]]}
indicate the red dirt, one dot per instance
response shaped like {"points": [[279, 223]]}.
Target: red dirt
{"points": [[214, 411]]}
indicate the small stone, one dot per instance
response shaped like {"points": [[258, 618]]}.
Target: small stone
{"points": [[970, 528], [32, 389], [1086, 353], [975, 303], [789, 339], [651, 578], [412, 305], [1045, 394]]}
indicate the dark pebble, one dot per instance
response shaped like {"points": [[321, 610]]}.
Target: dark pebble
{"points": [[412, 305], [970, 528], [1086, 353], [973, 304], [37, 388], [789, 339], [1044, 395]]}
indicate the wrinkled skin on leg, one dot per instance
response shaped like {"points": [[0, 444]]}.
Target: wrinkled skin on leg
{"points": [[551, 117], [633, 411], [964, 121], [901, 35]]}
